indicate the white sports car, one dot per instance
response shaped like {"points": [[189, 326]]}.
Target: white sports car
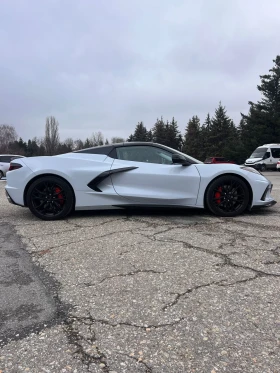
{"points": [[132, 174]]}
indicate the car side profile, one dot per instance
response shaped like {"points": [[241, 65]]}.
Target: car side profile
{"points": [[5, 160], [132, 174]]}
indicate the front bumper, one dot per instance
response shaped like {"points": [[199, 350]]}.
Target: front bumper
{"points": [[266, 200]]}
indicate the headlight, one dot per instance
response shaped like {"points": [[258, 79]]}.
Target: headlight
{"points": [[250, 169]]}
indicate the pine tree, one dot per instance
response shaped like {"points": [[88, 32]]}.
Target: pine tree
{"points": [[221, 130], [140, 133], [192, 138], [204, 138], [159, 132], [88, 143], [262, 123], [173, 135]]}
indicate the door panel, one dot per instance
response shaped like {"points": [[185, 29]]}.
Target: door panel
{"points": [[158, 184]]}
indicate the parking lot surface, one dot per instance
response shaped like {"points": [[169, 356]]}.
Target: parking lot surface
{"points": [[141, 291]]}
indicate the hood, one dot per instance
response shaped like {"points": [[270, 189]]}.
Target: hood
{"points": [[253, 160]]}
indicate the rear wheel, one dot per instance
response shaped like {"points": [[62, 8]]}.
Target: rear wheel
{"points": [[50, 198], [227, 196]]}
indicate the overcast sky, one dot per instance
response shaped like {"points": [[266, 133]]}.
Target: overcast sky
{"points": [[105, 65]]}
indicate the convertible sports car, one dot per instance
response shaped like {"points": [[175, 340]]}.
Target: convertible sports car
{"points": [[132, 174]]}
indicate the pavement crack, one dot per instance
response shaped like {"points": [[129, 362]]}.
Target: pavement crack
{"points": [[148, 368], [91, 320], [86, 349], [239, 281], [132, 273], [188, 291]]}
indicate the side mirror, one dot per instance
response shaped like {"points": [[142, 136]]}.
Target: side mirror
{"points": [[180, 159]]}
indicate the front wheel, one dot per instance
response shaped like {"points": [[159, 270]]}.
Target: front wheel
{"points": [[227, 196], [1, 175], [262, 167], [50, 198]]}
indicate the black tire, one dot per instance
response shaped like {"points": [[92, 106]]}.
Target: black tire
{"points": [[1, 175], [227, 196], [50, 198], [262, 167]]}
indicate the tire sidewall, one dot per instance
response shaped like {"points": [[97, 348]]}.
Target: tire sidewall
{"points": [[220, 180], [67, 190]]}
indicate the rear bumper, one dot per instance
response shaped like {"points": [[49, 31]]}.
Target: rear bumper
{"points": [[9, 198]]}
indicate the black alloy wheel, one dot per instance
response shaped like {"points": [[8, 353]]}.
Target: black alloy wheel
{"points": [[227, 196], [50, 198]]}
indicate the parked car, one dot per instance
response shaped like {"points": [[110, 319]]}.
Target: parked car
{"points": [[132, 174], [265, 157], [5, 160], [216, 160]]}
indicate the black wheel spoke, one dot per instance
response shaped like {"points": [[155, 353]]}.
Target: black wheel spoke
{"points": [[229, 196]]}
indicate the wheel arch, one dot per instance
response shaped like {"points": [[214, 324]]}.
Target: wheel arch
{"points": [[230, 174], [43, 175]]}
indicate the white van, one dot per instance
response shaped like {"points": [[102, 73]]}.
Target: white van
{"points": [[265, 157]]}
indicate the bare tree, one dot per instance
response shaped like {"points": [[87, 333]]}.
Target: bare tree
{"points": [[69, 142], [116, 140], [78, 144], [8, 135], [51, 136], [97, 138]]}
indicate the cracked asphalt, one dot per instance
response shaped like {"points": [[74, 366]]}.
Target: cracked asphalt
{"points": [[149, 291]]}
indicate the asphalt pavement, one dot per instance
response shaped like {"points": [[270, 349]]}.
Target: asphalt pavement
{"points": [[155, 291]]}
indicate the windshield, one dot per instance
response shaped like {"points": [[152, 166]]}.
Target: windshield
{"points": [[258, 153]]}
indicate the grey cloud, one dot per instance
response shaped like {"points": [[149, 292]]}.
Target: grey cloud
{"points": [[107, 65]]}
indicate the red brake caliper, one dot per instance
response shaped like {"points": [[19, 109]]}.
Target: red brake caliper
{"points": [[218, 195], [59, 195]]}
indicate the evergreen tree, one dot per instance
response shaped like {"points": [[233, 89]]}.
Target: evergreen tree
{"points": [[140, 133], [204, 138], [32, 148], [173, 135], [262, 123], [159, 132], [150, 136], [221, 130], [88, 143], [192, 138]]}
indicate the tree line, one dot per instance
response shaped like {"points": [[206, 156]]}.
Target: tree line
{"points": [[214, 136]]}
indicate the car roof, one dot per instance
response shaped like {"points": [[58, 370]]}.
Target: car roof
{"points": [[106, 149]]}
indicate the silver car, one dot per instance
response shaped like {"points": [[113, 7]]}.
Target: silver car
{"points": [[5, 160]]}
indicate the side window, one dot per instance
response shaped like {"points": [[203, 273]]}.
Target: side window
{"points": [[6, 159], [275, 153], [147, 154], [1, 159]]}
